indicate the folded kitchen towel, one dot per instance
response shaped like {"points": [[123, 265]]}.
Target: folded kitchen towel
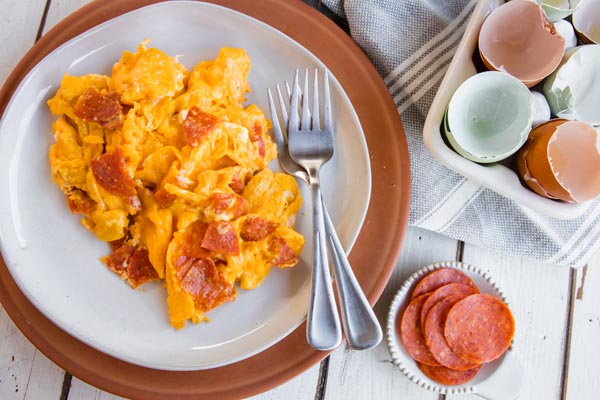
{"points": [[411, 42]]}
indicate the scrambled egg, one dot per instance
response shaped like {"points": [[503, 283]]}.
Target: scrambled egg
{"points": [[169, 167]]}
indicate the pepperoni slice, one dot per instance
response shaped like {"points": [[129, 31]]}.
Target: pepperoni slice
{"points": [[104, 109], [221, 238], [131, 263], [110, 171], [285, 256], [201, 279], [197, 125], [115, 244], [479, 328], [229, 205], [256, 228], [118, 260], [439, 278], [80, 202], [237, 183], [433, 330], [451, 289], [447, 376], [164, 198], [140, 270], [412, 334], [191, 242], [257, 138]]}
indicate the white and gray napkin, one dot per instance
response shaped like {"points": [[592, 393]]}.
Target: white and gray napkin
{"points": [[411, 42]]}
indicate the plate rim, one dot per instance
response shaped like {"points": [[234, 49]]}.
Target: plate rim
{"points": [[391, 163]]}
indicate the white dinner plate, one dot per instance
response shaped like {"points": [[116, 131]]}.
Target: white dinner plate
{"points": [[55, 261]]}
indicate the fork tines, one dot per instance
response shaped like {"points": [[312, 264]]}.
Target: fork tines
{"points": [[297, 95]]}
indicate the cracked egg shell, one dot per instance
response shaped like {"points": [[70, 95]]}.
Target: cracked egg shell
{"points": [[559, 9], [566, 30], [561, 160], [586, 21], [573, 90], [518, 38], [489, 117]]}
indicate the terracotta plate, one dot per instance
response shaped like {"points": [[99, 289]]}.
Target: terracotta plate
{"points": [[383, 230]]}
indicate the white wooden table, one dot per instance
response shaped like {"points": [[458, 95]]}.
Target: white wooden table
{"points": [[557, 309]]}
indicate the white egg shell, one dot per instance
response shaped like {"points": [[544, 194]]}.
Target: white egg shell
{"points": [[565, 29], [559, 9], [573, 90], [489, 117], [586, 21], [541, 109]]}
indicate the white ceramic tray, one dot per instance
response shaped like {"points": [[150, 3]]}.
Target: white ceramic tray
{"points": [[496, 177], [501, 379]]}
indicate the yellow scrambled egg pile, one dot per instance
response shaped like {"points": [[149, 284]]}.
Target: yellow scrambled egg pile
{"points": [[169, 167]]}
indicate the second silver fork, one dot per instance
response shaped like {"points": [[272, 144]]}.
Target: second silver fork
{"points": [[360, 323]]}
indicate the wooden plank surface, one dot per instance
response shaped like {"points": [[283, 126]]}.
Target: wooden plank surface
{"points": [[19, 21], [539, 299], [81, 390], [370, 374], [25, 373], [303, 386], [582, 377], [58, 10]]}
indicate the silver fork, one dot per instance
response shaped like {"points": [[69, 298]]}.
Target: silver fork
{"points": [[360, 324]]}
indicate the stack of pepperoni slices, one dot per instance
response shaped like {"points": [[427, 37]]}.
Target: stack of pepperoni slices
{"points": [[450, 329]]}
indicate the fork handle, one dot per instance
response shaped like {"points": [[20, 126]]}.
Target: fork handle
{"points": [[360, 323], [323, 331]]}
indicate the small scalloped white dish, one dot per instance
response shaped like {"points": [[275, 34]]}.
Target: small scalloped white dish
{"points": [[501, 379], [495, 176]]}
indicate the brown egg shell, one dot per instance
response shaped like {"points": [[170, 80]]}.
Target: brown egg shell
{"points": [[560, 160], [518, 38], [534, 166]]}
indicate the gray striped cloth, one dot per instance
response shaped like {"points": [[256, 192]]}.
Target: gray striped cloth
{"points": [[411, 42]]}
